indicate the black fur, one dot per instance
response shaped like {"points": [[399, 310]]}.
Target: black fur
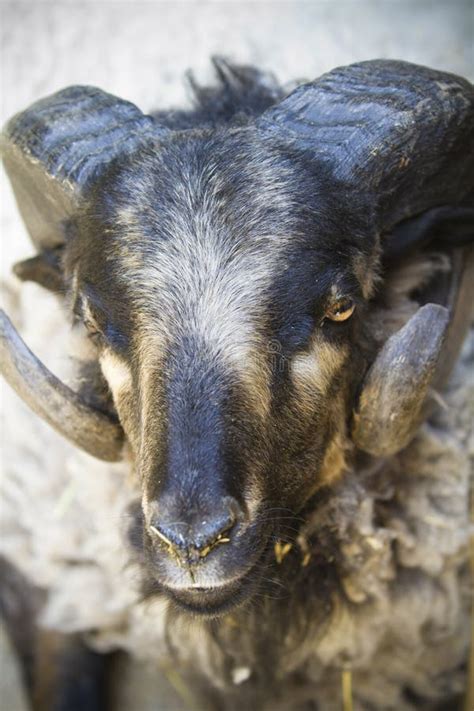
{"points": [[239, 94]]}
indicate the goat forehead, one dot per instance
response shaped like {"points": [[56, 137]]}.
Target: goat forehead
{"points": [[204, 293], [204, 241], [223, 292], [195, 265], [201, 279]]}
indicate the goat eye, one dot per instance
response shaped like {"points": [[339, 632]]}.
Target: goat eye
{"points": [[340, 310]]}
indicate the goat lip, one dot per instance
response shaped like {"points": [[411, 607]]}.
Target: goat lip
{"points": [[212, 602], [215, 601]]}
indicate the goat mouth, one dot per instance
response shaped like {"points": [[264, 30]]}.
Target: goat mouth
{"points": [[211, 602], [217, 601]]}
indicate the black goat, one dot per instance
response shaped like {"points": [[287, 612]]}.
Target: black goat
{"points": [[228, 263]]}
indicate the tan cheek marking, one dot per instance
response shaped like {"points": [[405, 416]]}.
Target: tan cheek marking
{"points": [[313, 371], [116, 373], [255, 376], [253, 496], [334, 462], [150, 384], [119, 379]]}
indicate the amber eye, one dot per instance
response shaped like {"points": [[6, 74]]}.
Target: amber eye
{"points": [[340, 310]]}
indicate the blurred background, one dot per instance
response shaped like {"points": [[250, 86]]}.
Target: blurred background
{"points": [[140, 50]]}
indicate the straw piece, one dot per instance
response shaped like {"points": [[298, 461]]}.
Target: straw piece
{"points": [[346, 678]]}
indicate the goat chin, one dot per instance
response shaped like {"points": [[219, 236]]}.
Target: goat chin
{"points": [[398, 530]]}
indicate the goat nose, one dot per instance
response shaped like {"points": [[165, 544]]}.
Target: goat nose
{"points": [[198, 538]]}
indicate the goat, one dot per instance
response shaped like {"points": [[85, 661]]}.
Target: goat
{"points": [[232, 266]]}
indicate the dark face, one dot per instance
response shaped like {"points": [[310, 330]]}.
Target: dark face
{"points": [[225, 295]]}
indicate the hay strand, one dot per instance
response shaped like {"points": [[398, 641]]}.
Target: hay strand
{"points": [[346, 678]]}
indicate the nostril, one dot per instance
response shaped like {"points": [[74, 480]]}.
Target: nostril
{"points": [[214, 531], [169, 535], [203, 534]]}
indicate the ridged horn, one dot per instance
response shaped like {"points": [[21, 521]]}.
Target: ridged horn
{"points": [[53, 150], [400, 132], [89, 429]]}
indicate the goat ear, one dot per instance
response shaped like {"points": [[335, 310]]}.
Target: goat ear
{"points": [[394, 390], [447, 226], [55, 149], [401, 133], [44, 269]]}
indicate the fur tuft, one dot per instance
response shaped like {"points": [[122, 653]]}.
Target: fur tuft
{"points": [[239, 93]]}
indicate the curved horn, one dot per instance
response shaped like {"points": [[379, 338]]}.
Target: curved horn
{"points": [[401, 132], [394, 398], [390, 407], [57, 147], [93, 431]]}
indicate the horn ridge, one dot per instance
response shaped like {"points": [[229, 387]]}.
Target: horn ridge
{"points": [[79, 126], [55, 148], [402, 131]]}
